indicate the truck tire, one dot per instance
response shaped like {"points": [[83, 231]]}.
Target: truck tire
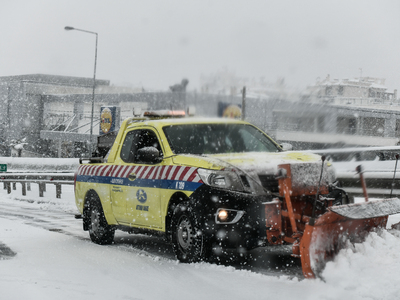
{"points": [[187, 239], [100, 232]]}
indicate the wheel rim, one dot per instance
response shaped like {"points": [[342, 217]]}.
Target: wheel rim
{"points": [[184, 234]]}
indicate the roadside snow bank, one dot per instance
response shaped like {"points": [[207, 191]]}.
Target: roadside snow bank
{"points": [[28, 164], [369, 270]]}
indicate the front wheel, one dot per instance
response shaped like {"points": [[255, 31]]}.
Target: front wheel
{"points": [[100, 232], [187, 238]]}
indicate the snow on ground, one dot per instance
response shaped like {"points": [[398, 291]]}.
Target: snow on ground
{"points": [[53, 265]]}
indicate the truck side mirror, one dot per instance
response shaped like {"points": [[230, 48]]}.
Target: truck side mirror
{"points": [[286, 146], [148, 155]]}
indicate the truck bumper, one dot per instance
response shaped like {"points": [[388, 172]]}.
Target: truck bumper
{"points": [[248, 232]]}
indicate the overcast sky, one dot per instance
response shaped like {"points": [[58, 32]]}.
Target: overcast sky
{"points": [[155, 44]]}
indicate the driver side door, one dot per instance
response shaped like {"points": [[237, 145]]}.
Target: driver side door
{"points": [[140, 194]]}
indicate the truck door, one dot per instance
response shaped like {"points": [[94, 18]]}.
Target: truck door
{"points": [[139, 196]]}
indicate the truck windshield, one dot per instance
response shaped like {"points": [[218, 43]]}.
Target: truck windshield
{"points": [[217, 138]]}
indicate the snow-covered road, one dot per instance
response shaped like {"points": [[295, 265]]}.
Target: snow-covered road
{"points": [[54, 259]]}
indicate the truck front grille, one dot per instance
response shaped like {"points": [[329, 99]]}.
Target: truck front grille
{"points": [[269, 182]]}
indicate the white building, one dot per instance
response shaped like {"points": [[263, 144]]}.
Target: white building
{"points": [[357, 90]]}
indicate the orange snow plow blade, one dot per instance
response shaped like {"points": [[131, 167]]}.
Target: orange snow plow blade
{"points": [[331, 231], [319, 232]]}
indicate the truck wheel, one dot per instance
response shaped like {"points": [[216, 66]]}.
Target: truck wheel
{"points": [[100, 232], [187, 239]]}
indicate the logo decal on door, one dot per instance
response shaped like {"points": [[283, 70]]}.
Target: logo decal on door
{"points": [[141, 196]]}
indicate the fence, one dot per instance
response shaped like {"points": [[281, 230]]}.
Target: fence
{"points": [[25, 179], [379, 184], [378, 176]]}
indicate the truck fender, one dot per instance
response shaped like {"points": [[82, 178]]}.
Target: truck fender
{"points": [[105, 201]]}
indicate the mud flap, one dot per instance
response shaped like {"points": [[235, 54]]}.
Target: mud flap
{"points": [[341, 224]]}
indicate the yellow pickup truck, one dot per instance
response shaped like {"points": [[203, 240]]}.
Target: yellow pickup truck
{"points": [[203, 183]]}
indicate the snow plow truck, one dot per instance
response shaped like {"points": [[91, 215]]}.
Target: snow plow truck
{"points": [[214, 184]]}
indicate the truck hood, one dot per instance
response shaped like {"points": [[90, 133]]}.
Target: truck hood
{"points": [[259, 168], [259, 162]]}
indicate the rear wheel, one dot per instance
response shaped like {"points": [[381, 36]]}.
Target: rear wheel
{"points": [[187, 239], [100, 232]]}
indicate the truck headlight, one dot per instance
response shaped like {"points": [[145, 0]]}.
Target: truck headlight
{"points": [[228, 216], [221, 179]]}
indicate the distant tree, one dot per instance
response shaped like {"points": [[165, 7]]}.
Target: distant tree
{"points": [[180, 87]]}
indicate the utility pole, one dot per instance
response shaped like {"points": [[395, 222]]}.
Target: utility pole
{"points": [[91, 148], [243, 102], [8, 153]]}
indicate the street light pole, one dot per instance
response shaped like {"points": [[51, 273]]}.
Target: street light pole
{"points": [[94, 84]]}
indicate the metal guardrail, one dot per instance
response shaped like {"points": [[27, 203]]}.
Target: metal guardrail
{"points": [[25, 179], [379, 184]]}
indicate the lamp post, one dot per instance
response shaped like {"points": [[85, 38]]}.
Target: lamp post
{"points": [[94, 84]]}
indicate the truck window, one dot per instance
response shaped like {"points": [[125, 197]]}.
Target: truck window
{"points": [[217, 138], [135, 140]]}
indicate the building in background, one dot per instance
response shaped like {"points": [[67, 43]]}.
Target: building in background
{"points": [[337, 113], [30, 104], [347, 91], [48, 115]]}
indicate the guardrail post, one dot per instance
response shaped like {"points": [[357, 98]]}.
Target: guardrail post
{"points": [[10, 182], [42, 188], [58, 190], [23, 188]]}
